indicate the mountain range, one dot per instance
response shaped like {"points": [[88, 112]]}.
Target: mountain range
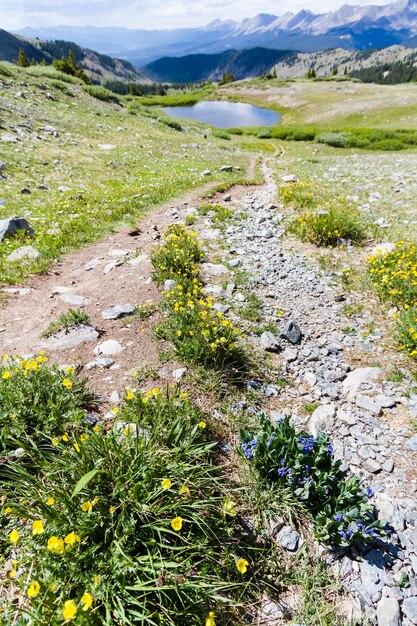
{"points": [[98, 66], [348, 27]]}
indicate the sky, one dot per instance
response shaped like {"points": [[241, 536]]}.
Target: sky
{"points": [[15, 14]]}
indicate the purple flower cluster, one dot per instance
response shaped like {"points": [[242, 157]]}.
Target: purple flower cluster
{"points": [[249, 449], [307, 443]]}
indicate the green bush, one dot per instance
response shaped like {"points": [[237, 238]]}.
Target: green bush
{"points": [[37, 402], [220, 134], [265, 133], [394, 274], [135, 526], [6, 69], [387, 145], [58, 84], [338, 504], [172, 124], [101, 93], [336, 140], [330, 227], [407, 331], [178, 258]]}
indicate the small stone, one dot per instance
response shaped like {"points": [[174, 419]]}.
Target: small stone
{"points": [[24, 252], [118, 311], [322, 419], [215, 269], [108, 348], [226, 168], [288, 538], [103, 362], [410, 609], [411, 444], [179, 374], [355, 379], [206, 173], [91, 265], [169, 285], [269, 342], [115, 397], [73, 300], [227, 198], [388, 612], [372, 466], [290, 354], [66, 339], [289, 178], [388, 466], [292, 333], [366, 403]]}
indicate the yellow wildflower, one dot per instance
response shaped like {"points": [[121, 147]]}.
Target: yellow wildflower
{"points": [[69, 611], [67, 383], [202, 424], [13, 572], [38, 527], [229, 507], [166, 483], [71, 538], [14, 536], [176, 523], [34, 589], [87, 506], [242, 565], [55, 544], [76, 447], [184, 491], [6, 375], [210, 620], [50, 502], [87, 601]]}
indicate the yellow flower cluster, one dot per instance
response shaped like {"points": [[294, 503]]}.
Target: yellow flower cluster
{"points": [[395, 274], [19, 365]]}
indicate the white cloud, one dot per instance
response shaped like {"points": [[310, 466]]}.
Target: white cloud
{"points": [[161, 14]]}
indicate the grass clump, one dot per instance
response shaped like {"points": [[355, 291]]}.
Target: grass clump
{"points": [[132, 526], [36, 399], [330, 227], [252, 308], [6, 69], [339, 504], [48, 71], [101, 93], [172, 124], [66, 321], [218, 212], [264, 133]]}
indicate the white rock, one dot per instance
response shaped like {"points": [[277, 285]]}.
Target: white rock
{"points": [[178, 374], [289, 178], [73, 300], [382, 248], [215, 270], [25, 252], [69, 339], [322, 419], [115, 397], [108, 348], [354, 380]]}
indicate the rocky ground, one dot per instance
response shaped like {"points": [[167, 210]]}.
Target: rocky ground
{"points": [[334, 380]]}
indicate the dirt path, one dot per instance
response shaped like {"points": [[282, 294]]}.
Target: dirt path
{"points": [[120, 273]]}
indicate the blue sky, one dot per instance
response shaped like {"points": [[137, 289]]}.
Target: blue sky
{"points": [[16, 14]]}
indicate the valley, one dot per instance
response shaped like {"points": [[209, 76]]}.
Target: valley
{"points": [[177, 284]]}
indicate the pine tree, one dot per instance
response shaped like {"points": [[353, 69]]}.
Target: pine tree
{"points": [[22, 60], [346, 71]]}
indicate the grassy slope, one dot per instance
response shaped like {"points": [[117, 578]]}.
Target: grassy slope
{"points": [[148, 165]]}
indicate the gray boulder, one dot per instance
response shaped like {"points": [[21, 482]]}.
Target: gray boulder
{"points": [[24, 252], [292, 333], [115, 312], [269, 342], [11, 225]]}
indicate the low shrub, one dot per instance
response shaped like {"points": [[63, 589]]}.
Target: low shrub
{"points": [[395, 274], [220, 134], [58, 84], [336, 140], [387, 145], [407, 331], [338, 504], [300, 194], [330, 227], [37, 401], [172, 124], [101, 93], [219, 212], [177, 259], [48, 71], [6, 69], [265, 133], [132, 526]]}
